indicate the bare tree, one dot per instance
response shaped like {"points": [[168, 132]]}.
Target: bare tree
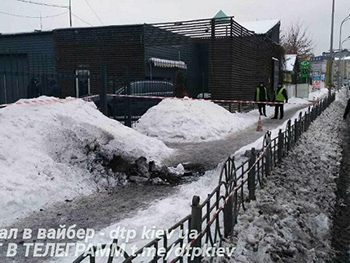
{"points": [[296, 40]]}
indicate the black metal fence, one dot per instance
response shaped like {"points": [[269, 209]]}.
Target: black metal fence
{"points": [[20, 79], [215, 218]]}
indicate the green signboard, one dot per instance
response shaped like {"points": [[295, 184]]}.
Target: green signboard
{"points": [[304, 68]]}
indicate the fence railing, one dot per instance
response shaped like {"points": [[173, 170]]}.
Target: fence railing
{"points": [[215, 218]]}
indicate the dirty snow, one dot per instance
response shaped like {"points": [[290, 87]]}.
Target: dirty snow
{"points": [[43, 157], [187, 120], [47, 153], [295, 179], [291, 219]]}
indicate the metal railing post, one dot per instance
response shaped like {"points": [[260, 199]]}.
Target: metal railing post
{"points": [[268, 165], [128, 100], [289, 135], [195, 227], [228, 217], [228, 213], [251, 175], [301, 123], [295, 131], [307, 116], [280, 146], [103, 89]]}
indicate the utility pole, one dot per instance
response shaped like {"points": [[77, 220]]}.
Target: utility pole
{"points": [[340, 78], [331, 51], [70, 13], [41, 23]]}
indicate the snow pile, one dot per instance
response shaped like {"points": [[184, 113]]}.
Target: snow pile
{"points": [[167, 211], [260, 27], [186, 120], [318, 94], [291, 219], [56, 151]]}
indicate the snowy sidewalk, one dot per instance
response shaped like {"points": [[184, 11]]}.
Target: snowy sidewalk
{"points": [[291, 219], [208, 155], [102, 211]]}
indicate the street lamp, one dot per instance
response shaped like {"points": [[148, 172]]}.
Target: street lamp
{"points": [[331, 51], [341, 25], [346, 39], [340, 68], [340, 45]]}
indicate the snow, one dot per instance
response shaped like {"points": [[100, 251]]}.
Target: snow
{"points": [[260, 27], [165, 63], [291, 218], [43, 153], [297, 172], [43, 160], [187, 120]]}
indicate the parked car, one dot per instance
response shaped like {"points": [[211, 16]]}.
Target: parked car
{"points": [[149, 88]]}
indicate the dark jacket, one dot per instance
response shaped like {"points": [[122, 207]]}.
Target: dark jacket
{"points": [[261, 94], [347, 109], [284, 93]]}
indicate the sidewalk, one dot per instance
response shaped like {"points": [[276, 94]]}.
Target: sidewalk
{"points": [[208, 155]]}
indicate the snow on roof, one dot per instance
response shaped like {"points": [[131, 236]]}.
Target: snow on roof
{"points": [[44, 153], [260, 27], [165, 63], [290, 62]]}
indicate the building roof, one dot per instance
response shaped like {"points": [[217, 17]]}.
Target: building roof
{"points": [[220, 14], [35, 32], [260, 27], [290, 62]]}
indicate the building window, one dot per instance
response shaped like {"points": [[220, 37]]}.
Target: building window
{"points": [[82, 82]]}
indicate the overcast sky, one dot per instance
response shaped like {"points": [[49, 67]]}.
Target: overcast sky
{"points": [[313, 14]]}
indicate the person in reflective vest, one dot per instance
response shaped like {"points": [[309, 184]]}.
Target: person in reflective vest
{"points": [[280, 96], [261, 95]]}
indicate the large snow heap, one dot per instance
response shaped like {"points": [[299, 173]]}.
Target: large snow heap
{"points": [[187, 120], [48, 153]]}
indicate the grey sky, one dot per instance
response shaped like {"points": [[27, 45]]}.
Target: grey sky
{"points": [[314, 14]]}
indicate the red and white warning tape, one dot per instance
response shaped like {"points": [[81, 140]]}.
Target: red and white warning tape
{"points": [[222, 101], [51, 100], [37, 101]]}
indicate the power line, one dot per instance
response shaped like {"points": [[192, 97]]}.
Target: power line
{"points": [[24, 16], [82, 20], [44, 4], [93, 11]]}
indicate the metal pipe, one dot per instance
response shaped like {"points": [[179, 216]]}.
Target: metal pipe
{"points": [[341, 25], [340, 46], [70, 13], [331, 51], [340, 68]]}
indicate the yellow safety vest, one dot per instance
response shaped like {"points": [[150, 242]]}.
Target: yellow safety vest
{"points": [[279, 96]]}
